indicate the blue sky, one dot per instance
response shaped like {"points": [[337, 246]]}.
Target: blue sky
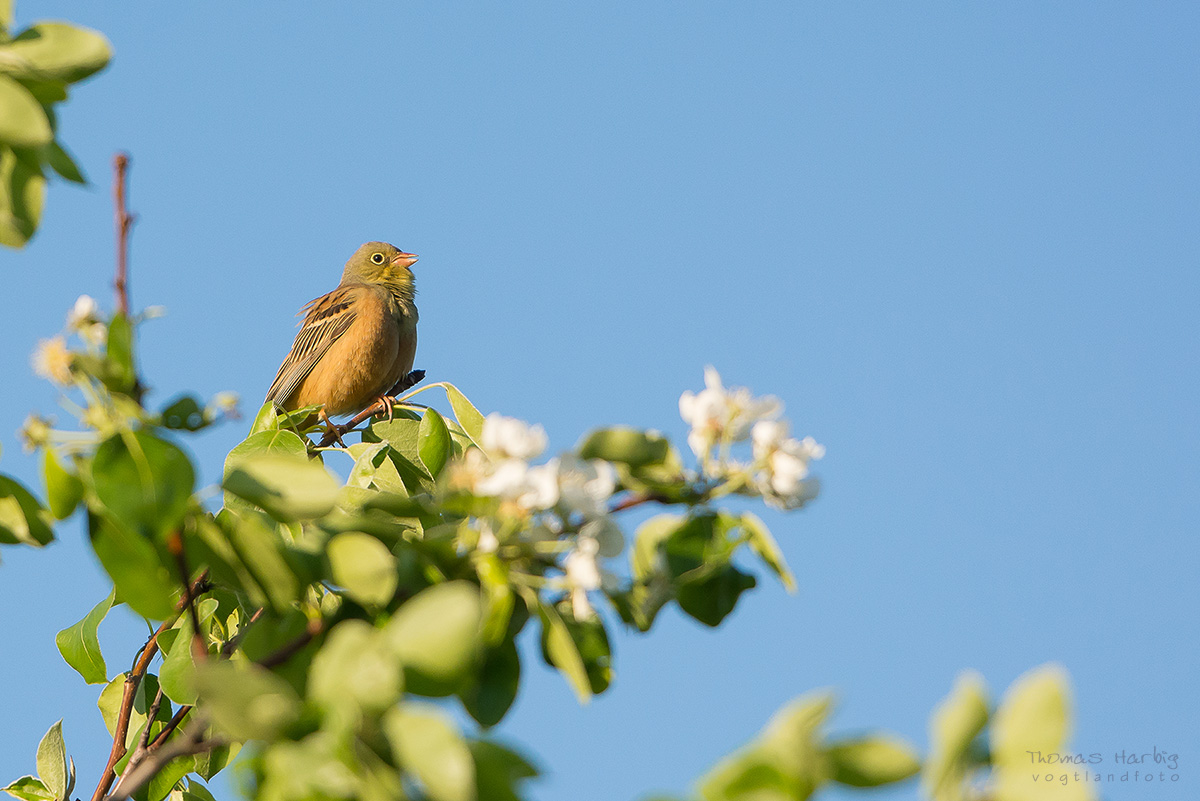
{"points": [[959, 241]]}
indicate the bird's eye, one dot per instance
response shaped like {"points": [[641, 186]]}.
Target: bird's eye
{"points": [[377, 258]]}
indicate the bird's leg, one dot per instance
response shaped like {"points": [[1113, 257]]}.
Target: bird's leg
{"points": [[387, 402], [331, 430], [408, 381]]}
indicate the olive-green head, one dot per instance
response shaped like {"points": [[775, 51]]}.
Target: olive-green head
{"points": [[381, 263]]}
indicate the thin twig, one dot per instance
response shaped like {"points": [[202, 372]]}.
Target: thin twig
{"points": [[151, 714], [233, 642], [632, 501], [175, 546], [314, 627], [124, 221], [132, 680], [171, 726], [381, 406], [190, 741]]}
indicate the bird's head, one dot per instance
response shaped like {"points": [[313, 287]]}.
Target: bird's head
{"points": [[381, 263]]}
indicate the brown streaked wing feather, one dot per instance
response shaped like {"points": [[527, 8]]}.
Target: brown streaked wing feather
{"points": [[329, 316]]}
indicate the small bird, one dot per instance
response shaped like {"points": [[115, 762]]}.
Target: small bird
{"points": [[357, 342]]}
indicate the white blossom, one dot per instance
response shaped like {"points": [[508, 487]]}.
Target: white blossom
{"points": [[582, 575], [488, 543], [606, 533], [51, 360], [507, 437], [84, 312], [531, 488], [226, 402], [585, 486], [508, 479], [95, 334], [718, 414]]}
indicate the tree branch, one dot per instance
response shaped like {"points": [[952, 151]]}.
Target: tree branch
{"points": [[132, 680], [382, 406], [289, 650], [124, 221], [189, 741], [634, 500]]}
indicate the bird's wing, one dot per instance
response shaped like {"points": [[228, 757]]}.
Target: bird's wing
{"points": [[327, 318]]}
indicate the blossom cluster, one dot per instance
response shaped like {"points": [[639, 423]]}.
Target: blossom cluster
{"points": [[566, 491], [719, 417]]}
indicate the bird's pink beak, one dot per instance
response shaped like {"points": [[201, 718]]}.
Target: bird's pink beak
{"points": [[404, 259]]}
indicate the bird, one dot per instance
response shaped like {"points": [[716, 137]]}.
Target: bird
{"points": [[355, 343]]}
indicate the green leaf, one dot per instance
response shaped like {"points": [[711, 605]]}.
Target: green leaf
{"points": [[211, 763], [56, 50], [141, 579], [467, 415], [872, 761], [27, 788], [64, 490], [121, 373], [498, 771], [245, 701], [489, 698], [163, 782], [433, 442], [713, 598], [22, 518], [591, 643], [143, 481], [80, 645], [763, 544], [355, 666], [954, 725], [266, 419], [1034, 716], [430, 748], [561, 651], [52, 763], [185, 414], [364, 567], [61, 162], [645, 556], [197, 792], [286, 487], [625, 445], [259, 550], [177, 674], [6, 16], [785, 761], [23, 123], [22, 195], [403, 433], [436, 635], [47, 92], [270, 441]]}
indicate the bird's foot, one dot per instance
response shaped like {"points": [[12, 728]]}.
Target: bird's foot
{"points": [[332, 432], [387, 411]]}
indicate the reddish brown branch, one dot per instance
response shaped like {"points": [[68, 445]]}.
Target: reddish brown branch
{"points": [[124, 221], [285, 653], [631, 501], [175, 546], [380, 407], [171, 726], [132, 680], [131, 684]]}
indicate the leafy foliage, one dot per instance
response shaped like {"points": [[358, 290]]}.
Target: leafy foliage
{"points": [[308, 617], [37, 65]]}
